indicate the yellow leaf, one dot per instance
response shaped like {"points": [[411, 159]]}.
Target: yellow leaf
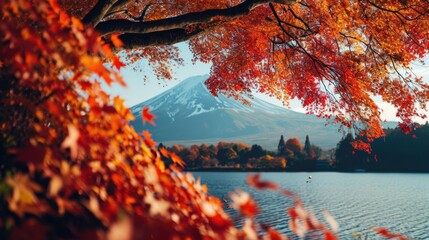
{"points": [[55, 185]]}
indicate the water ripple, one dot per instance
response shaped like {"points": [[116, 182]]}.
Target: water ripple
{"points": [[359, 202]]}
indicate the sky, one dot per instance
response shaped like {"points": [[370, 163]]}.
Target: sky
{"points": [[139, 90]]}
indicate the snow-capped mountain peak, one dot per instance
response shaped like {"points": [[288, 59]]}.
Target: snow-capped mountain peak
{"points": [[191, 97], [188, 114]]}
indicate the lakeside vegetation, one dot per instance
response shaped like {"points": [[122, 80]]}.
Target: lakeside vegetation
{"points": [[396, 152], [290, 154]]}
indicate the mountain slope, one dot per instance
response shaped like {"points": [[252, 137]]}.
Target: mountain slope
{"points": [[188, 114]]}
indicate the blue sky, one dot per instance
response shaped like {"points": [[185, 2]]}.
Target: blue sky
{"points": [[139, 90]]}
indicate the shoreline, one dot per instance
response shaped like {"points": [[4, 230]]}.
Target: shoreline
{"points": [[292, 170]]}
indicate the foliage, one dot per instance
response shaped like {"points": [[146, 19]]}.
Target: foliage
{"points": [[268, 162], [294, 145], [315, 151], [239, 155], [72, 167], [397, 151], [332, 55], [257, 151], [226, 154]]}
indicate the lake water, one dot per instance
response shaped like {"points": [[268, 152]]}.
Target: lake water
{"points": [[358, 201]]}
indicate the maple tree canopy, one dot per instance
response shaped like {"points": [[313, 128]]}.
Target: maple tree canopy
{"points": [[334, 56]]}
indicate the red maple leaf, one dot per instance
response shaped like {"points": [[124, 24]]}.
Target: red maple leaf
{"points": [[384, 232], [147, 116], [254, 180]]}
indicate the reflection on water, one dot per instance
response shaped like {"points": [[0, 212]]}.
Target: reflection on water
{"points": [[358, 201]]}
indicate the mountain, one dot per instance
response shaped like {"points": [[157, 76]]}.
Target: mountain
{"points": [[188, 114]]}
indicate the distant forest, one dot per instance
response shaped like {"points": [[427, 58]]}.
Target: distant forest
{"points": [[291, 154], [396, 152]]}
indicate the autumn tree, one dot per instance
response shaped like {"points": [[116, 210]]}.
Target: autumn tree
{"points": [[268, 161], [294, 145], [191, 155], [226, 156], [71, 165], [332, 55]]}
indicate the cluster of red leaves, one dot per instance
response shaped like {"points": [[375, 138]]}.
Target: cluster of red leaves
{"points": [[72, 166], [332, 55], [389, 235]]}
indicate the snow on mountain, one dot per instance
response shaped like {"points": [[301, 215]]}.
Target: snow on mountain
{"points": [[188, 113], [191, 97]]}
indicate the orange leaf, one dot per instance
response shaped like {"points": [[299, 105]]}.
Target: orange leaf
{"points": [[148, 139], [55, 185], [55, 6], [176, 159], [116, 41], [76, 23]]}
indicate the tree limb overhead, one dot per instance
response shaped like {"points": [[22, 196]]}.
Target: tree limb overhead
{"points": [[98, 12], [168, 37], [126, 26]]}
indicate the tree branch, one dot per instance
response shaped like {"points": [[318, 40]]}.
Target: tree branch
{"points": [[168, 37], [119, 4], [122, 25], [97, 13]]}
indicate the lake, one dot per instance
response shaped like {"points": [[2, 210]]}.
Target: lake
{"points": [[358, 201]]}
